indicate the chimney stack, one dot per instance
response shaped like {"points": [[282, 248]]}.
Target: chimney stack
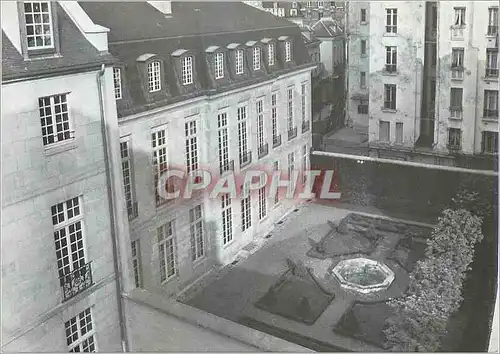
{"points": [[165, 7]]}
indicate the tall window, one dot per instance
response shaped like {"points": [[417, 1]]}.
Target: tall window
{"points": [[288, 51], [492, 21], [492, 62], [127, 172], [136, 262], [80, 333], [389, 96], [363, 107], [490, 104], [305, 151], [490, 142], [457, 58], [38, 17], [187, 70], [454, 138], [363, 15], [243, 136], [290, 108], [54, 119], [260, 123], [274, 118], [191, 146], [391, 21], [227, 219], [459, 16], [399, 133], [363, 47], [277, 195], [262, 203], [117, 79], [271, 53], [219, 65], [303, 102], [196, 233], [256, 58], [291, 166], [246, 211], [384, 131], [223, 143], [160, 158], [456, 98], [166, 250], [362, 79], [239, 61], [391, 55], [154, 82]]}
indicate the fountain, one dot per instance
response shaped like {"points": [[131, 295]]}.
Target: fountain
{"points": [[363, 275]]}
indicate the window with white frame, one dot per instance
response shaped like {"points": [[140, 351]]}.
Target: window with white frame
{"points": [[305, 153], [187, 70], [223, 142], [262, 203], [309, 4], [277, 195], [492, 21], [390, 96], [491, 62], [239, 61], [54, 118], [457, 58], [454, 138], [288, 51], [291, 166], [399, 133], [219, 65], [363, 107], [490, 104], [127, 171], [117, 80], [490, 142], [290, 108], [154, 82], [456, 98], [303, 101], [80, 333], [197, 238], [362, 79], [246, 211], [260, 123], [391, 57], [160, 158], [227, 219], [191, 146], [363, 15], [363, 47], [274, 116], [384, 131], [256, 58], [243, 135], [166, 250], [38, 19], [459, 20], [391, 21], [136, 262], [271, 53]]}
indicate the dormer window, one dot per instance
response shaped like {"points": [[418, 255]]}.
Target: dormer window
{"points": [[256, 58], [38, 19], [117, 79], [219, 65], [288, 51], [239, 61], [270, 52], [187, 70], [154, 82]]}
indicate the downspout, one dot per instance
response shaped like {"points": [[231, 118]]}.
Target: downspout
{"points": [[112, 218]]}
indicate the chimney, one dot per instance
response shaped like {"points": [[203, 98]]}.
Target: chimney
{"points": [[165, 7]]}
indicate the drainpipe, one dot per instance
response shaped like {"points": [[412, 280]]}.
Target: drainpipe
{"points": [[112, 218]]}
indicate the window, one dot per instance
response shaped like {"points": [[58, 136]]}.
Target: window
{"points": [[227, 220], [303, 102], [309, 4], [187, 70], [223, 143], [196, 233], [117, 79], [305, 150], [243, 136], [492, 21], [459, 16], [490, 142], [80, 333], [154, 82], [454, 138], [391, 21], [490, 104], [391, 55], [219, 65], [363, 47], [384, 131], [363, 107], [271, 53], [399, 133], [136, 262], [54, 118], [491, 62], [274, 119], [262, 203], [457, 58], [363, 15], [160, 158], [291, 166], [456, 96], [290, 108], [191, 146], [239, 62], [256, 58], [277, 195], [166, 250], [390, 96], [246, 213], [362, 79], [38, 18], [288, 51], [127, 171], [260, 126]]}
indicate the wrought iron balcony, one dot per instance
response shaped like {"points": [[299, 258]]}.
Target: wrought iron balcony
{"points": [[454, 147], [245, 158], [263, 150], [224, 167], [491, 72], [276, 141], [132, 210], [456, 112], [457, 72], [390, 68], [77, 281], [306, 125], [490, 113], [292, 133]]}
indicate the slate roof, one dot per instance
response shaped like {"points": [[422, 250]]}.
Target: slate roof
{"points": [[77, 54], [138, 28], [327, 28], [309, 38]]}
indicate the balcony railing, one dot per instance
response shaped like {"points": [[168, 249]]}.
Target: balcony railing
{"points": [[457, 32], [490, 113], [306, 125], [263, 150], [390, 68], [492, 30], [133, 211], [228, 166], [457, 72], [276, 141], [245, 158], [454, 147], [456, 112], [292, 133], [77, 281], [491, 72]]}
